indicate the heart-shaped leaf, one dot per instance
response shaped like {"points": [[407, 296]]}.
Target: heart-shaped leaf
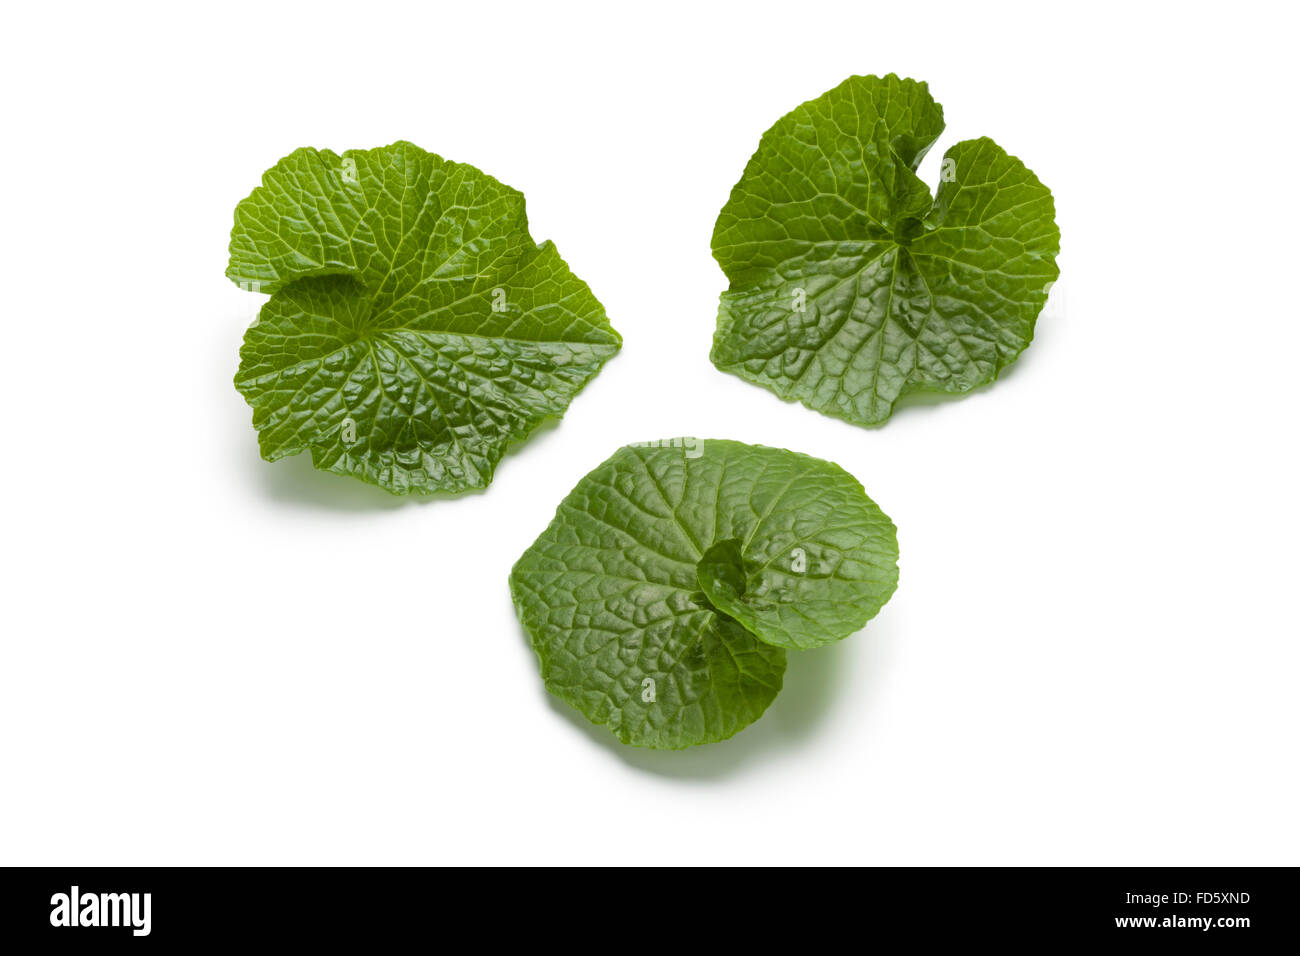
{"points": [[850, 286], [414, 329], [661, 599]]}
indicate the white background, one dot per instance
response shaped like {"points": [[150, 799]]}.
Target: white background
{"points": [[1092, 655]]}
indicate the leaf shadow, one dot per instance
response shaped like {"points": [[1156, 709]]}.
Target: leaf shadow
{"points": [[1045, 327], [910, 403], [296, 481]]}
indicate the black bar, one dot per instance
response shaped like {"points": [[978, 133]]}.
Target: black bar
{"points": [[377, 907]]}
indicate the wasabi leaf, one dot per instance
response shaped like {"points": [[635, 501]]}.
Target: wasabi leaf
{"points": [[850, 286], [414, 329], [662, 598]]}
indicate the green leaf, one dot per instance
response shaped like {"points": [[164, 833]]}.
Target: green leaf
{"points": [[849, 286], [414, 328], [662, 597]]}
